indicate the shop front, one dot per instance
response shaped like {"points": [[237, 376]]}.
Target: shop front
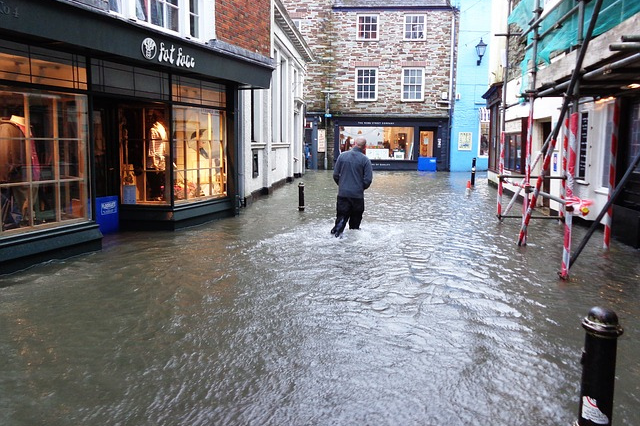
{"points": [[396, 144], [97, 136]]}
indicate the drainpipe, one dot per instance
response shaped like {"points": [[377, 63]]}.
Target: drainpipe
{"points": [[239, 126], [451, 74]]}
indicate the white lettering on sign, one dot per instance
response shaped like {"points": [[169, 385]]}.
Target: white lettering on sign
{"points": [[167, 53], [109, 207]]}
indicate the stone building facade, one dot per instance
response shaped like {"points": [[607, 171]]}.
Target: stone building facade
{"points": [[383, 69]]}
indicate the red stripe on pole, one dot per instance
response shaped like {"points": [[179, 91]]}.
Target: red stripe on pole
{"points": [[501, 172], [565, 151], [571, 168]]}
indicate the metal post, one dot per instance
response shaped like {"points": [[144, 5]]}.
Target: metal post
{"points": [[598, 367], [473, 172], [301, 196]]}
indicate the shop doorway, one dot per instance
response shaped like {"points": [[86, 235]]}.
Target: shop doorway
{"points": [[105, 137], [426, 143], [131, 151]]}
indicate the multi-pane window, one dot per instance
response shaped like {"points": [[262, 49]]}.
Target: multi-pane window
{"points": [[194, 18], [412, 84], [414, 27], [513, 152], [163, 13], [366, 84], [183, 16], [43, 160], [367, 27], [200, 169]]}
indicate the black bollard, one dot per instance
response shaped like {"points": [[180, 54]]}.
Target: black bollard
{"points": [[473, 172], [598, 367], [301, 196]]}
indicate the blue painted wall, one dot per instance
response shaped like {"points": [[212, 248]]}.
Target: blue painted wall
{"points": [[471, 84]]}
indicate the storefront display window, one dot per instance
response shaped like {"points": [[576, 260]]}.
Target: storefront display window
{"points": [[483, 146], [383, 143], [200, 154], [43, 162], [144, 155], [513, 152]]}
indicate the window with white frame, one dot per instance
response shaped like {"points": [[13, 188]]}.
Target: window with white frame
{"points": [[483, 145], [163, 13], [415, 27], [194, 19], [606, 153], [412, 84], [181, 16], [366, 84], [367, 27]]}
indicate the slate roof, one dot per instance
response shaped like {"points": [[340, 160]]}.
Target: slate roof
{"points": [[394, 4]]}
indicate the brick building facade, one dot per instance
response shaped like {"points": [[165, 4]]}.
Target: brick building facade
{"points": [[384, 69]]}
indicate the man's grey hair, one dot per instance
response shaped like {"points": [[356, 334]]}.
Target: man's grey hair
{"points": [[360, 142]]}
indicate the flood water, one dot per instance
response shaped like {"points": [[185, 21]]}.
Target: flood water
{"points": [[429, 315]]}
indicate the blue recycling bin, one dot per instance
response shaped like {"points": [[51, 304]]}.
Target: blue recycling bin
{"points": [[427, 164], [107, 215]]}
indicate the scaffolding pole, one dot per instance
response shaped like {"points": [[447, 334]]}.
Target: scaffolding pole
{"points": [[571, 97]]}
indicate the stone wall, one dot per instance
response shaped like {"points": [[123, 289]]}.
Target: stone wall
{"points": [[331, 33]]}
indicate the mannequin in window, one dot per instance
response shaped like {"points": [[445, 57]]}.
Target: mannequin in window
{"points": [[13, 168], [157, 160]]}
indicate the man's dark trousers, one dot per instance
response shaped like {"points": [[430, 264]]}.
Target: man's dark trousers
{"points": [[348, 209]]}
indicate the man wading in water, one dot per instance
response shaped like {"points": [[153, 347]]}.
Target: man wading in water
{"points": [[353, 174]]}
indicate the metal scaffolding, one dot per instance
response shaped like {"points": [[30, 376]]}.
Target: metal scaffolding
{"points": [[571, 91]]}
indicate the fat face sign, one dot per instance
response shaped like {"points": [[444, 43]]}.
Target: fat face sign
{"points": [[166, 53]]}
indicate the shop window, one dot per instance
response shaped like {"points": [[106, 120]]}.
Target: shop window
{"points": [[367, 27], [513, 152], [43, 164], [199, 153], [19, 62], [606, 146], [144, 155], [412, 84], [415, 27], [383, 143], [483, 144], [366, 84]]}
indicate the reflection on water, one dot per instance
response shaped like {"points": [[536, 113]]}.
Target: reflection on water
{"points": [[429, 315]]}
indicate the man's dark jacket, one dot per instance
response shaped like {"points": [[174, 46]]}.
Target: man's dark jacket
{"points": [[353, 173]]}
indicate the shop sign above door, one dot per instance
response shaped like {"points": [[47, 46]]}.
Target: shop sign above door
{"points": [[166, 53]]}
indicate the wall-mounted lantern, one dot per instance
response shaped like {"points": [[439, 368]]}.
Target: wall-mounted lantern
{"points": [[480, 49]]}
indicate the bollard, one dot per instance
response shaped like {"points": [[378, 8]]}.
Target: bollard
{"points": [[473, 172], [301, 196], [598, 367]]}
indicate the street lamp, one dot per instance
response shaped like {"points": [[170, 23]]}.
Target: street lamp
{"points": [[480, 49]]}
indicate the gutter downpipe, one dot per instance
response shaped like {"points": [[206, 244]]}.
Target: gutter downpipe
{"points": [[451, 74]]}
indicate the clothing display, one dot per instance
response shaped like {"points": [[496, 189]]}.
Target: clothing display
{"points": [[13, 169], [157, 147]]}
